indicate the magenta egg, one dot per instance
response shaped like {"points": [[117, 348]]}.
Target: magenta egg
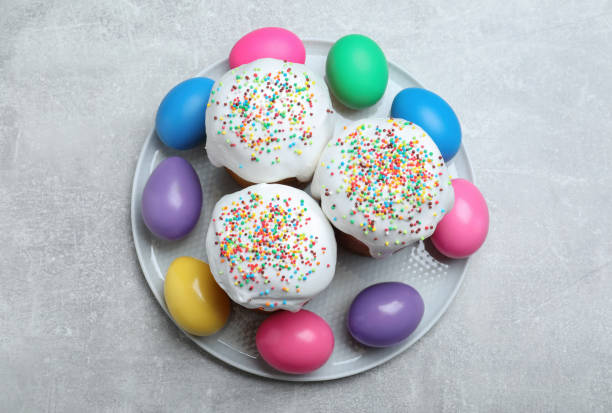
{"points": [[464, 228], [273, 42], [295, 343], [172, 199]]}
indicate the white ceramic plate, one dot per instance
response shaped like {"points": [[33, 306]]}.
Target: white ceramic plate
{"points": [[435, 277]]}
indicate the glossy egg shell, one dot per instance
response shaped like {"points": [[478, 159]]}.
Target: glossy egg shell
{"points": [[195, 301], [464, 228], [180, 119], [272, 42], [431, 113], [295, 343], [385, 314], [172, 199], [357, 71]]}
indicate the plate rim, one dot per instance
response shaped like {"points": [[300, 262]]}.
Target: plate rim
{"points": [[246, 368]]}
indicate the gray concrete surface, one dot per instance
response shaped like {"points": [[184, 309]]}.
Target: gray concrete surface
{"points": [[531, 328]]}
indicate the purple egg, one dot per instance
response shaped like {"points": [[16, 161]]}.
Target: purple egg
{"points": [[385, 314], [172, 199]]}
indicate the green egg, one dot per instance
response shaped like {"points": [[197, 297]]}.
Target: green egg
{"points": [[357, 71]]}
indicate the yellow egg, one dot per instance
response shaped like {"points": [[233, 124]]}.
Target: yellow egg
{"points": [[195, 301]]}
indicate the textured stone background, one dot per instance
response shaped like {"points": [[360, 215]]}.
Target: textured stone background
{"points": [[531, 328]]}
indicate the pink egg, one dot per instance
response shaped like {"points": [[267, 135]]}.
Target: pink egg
{"points": [[464, 228], [273, 42], [295, 343]]}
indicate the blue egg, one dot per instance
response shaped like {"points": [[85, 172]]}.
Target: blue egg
{"points": [[431, 113], [180, 120]]}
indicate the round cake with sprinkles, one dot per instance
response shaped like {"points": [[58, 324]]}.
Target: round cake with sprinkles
{"points": [[270, 247], [268, 122], [383, 184]]}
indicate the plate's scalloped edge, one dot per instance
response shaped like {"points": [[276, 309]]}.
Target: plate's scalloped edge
{"points": [[246, 367]]}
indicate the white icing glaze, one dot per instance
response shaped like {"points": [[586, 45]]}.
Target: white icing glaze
{"points": [[255, 230], [269, 120], [384, 182]]}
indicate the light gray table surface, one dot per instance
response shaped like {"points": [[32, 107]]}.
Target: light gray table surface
{"points": [[531, 327]]}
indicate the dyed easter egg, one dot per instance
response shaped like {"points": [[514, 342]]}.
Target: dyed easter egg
{"points": [[431, 113], [273, 42], [357, 72], [385, 314], [172, 199], [180, 120], [295, 343], [195, 301], [464, 228]]}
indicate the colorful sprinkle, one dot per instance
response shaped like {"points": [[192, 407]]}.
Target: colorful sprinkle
{"points": [[266, 112], [389, 176], [261, 238]]}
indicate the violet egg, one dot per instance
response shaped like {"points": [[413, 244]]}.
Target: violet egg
{"points": [[385, 314], [295, 343], [172, 199]]}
